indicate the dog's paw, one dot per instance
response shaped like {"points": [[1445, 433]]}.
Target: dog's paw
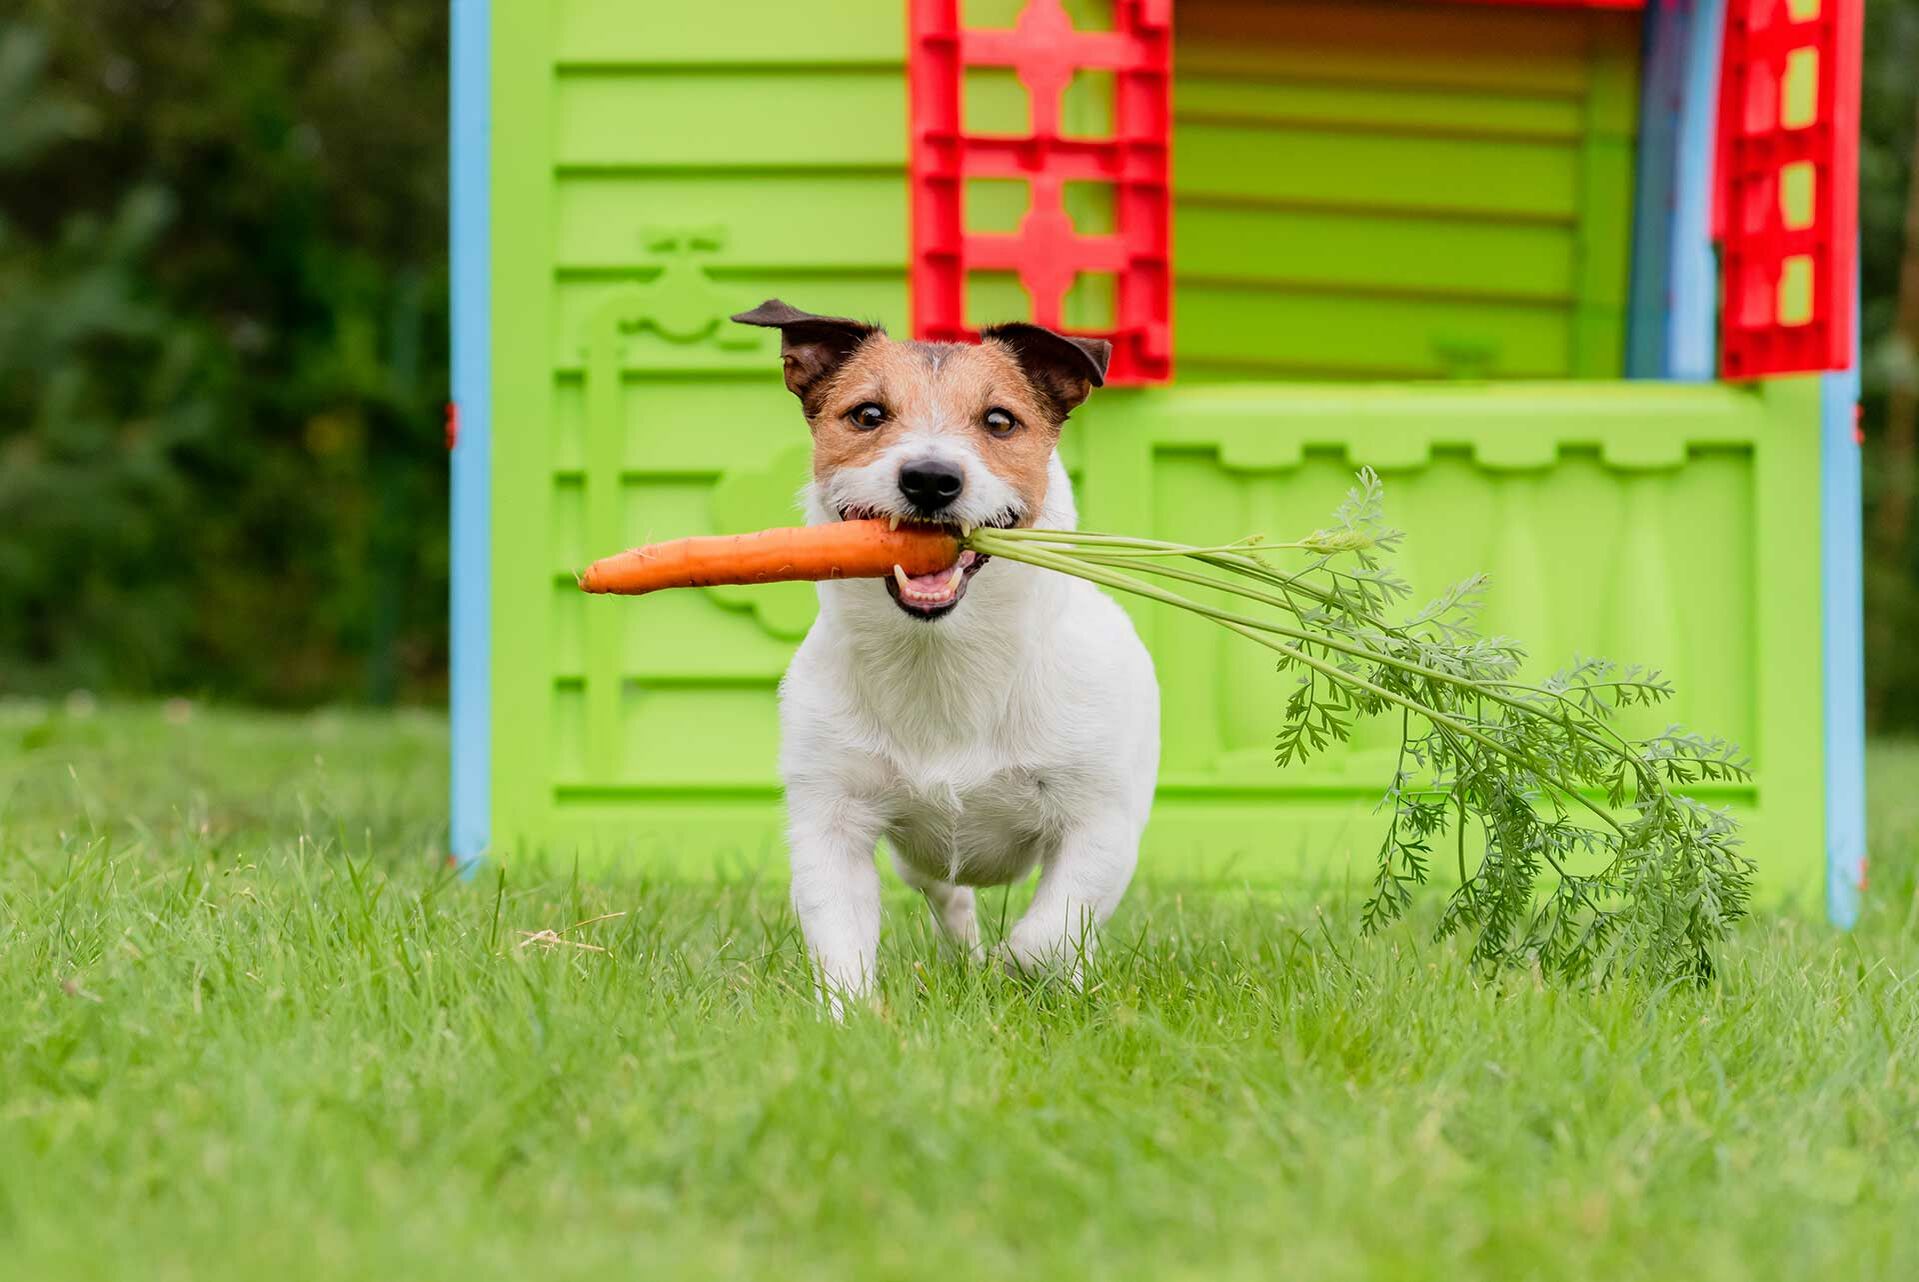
{"points": [[1044, 960], [845, 992], [838, 1005], [963, 948]]}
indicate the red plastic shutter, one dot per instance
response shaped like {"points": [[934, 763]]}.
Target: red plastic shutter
{"points": [[1046, 253], [1787, 191]]}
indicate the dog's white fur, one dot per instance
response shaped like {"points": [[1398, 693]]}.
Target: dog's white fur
{"points": [[1021, 729]]}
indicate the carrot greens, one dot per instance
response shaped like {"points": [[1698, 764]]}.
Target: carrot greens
{"points": [[1574, 845]]}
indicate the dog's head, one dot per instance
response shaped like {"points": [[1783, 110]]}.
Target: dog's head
{"points": [[955, 434]]}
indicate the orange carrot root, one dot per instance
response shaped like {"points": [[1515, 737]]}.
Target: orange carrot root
{"points": [[840, 550]]}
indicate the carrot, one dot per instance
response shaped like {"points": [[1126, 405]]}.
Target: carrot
{"points": [[840, 550]]}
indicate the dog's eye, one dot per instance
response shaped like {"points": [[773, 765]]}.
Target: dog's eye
{"points": [[867, 417], [999, 422]]}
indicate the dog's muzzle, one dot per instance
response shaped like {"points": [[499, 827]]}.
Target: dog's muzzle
{"points": [[931, 596]]}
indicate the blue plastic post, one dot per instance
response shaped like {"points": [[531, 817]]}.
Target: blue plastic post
{"points": [[1842, 579], [469, 638]]}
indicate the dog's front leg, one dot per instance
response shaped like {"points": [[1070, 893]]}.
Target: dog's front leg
{"points": [[836, 889], [953, 908], [1078, 889]]}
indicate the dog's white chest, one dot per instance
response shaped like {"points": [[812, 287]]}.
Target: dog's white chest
{"points": [[1023, 728], [984, 834]]}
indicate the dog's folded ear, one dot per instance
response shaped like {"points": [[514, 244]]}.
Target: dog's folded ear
{"points": [[1065, 370], [811, 347]]}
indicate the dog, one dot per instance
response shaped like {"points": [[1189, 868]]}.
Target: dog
{"points": [[982, 720]]}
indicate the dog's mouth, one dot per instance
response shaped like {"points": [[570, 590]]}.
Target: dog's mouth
{"points": [[931, 596]]}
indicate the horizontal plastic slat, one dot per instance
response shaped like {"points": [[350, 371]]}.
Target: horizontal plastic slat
{"points": [[1285, 330], [746, 32], [1493, 177], [1226, 243], [766, 221], [832, 116], [1372, 43], [1422, 111]]}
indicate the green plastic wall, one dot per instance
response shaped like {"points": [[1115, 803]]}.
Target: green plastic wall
{"points": [[1372, 190], [657, 167]]}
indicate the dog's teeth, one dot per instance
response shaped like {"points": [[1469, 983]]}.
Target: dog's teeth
{"points": [[899, 576], [952, 584], [892, 523], [966, 529]]}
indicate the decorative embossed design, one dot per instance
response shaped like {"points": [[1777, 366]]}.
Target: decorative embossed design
{"points": [[1469, 506], [681, 314], [682, 304]]}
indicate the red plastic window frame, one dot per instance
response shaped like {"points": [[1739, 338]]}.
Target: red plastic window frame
{"points": [[1765, 166], [1046, 252]]}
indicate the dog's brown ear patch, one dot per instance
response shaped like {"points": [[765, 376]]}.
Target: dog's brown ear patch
{"points": [[811, 347], [1064, 370]]}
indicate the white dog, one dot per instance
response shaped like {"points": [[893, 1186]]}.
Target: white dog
{"points": [[981, 720]]}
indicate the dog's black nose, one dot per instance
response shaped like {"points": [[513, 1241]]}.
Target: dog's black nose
{"points": [[929, 485]]}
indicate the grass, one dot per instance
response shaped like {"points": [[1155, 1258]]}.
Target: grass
{"points": [[249, 1027]]}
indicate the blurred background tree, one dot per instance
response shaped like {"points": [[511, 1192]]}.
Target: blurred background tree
{"points": [[223, 351], [222, 347], [1889, 268]]}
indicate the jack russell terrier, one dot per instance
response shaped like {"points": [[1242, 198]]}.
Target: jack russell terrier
{"points": [[980, 720]]}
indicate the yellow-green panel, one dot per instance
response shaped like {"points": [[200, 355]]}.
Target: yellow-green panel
{"points": [[1407, 183]]}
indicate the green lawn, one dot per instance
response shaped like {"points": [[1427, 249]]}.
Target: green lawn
{"points": [[249, 1028]]}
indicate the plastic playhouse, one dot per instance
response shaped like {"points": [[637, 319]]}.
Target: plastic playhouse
{"points": [[1577, 279]]}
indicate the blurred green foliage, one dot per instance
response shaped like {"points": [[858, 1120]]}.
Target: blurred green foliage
{"points": [[223, 352], [222, 346], [1889, 117]]}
